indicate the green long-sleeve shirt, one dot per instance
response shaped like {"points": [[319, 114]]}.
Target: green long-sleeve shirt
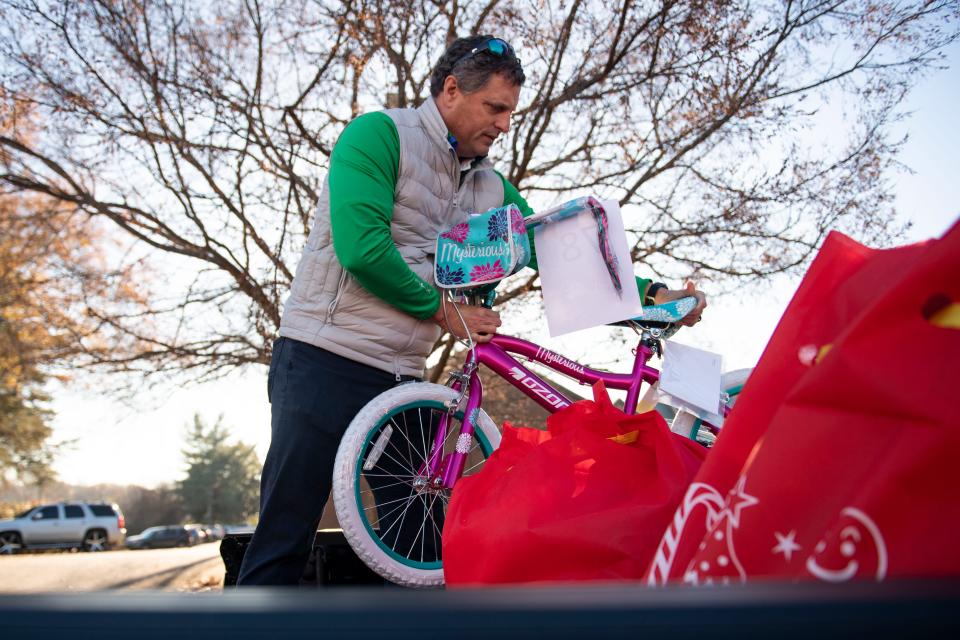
{"points": [[363, 177]]}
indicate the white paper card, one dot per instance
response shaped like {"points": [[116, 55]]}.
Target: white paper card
{"points": [[577, 291], [692, 376]]}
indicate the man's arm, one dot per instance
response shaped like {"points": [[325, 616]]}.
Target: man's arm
{"points": [[363, 177]]}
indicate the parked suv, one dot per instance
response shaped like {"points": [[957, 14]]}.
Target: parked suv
{"points": [[91, 527]]}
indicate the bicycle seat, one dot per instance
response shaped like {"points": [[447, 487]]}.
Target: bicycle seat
{"points": [[661, 316]]}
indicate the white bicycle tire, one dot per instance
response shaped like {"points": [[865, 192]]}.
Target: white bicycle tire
{"points": [[346, 479], [688, 425]]}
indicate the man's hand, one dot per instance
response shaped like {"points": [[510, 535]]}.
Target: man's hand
{"points": [[481, 321], [692, 318]]}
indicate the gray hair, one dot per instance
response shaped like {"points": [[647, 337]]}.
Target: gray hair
{"points": [[473, 72]]}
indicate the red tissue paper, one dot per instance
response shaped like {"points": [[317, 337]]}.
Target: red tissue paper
{"points": [[585, 500]]}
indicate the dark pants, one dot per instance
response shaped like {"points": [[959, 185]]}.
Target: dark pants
{"points": [[314, 395]]}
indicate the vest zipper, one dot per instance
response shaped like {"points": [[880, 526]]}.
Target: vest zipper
{"points": [[336, 297], [455, 200]]}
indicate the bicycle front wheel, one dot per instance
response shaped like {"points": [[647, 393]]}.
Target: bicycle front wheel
{"points": [[390, 513]]}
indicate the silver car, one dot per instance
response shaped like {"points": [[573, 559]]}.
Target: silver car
{"points": [[88, 526]]}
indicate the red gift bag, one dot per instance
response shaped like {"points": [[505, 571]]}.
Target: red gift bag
{"points": [[837, 463], [586, 500]]}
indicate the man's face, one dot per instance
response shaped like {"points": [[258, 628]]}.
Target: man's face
{"points": [[476, 119]]}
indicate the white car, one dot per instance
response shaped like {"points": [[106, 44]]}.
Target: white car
{"points": [[91, 527]]}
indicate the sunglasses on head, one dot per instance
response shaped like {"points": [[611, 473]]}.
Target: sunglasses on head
{"points": [[496, 46]]}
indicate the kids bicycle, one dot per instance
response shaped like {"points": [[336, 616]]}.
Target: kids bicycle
{"points": [[403, 453]]}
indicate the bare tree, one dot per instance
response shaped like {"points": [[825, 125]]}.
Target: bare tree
{"points": [[203, 130]]}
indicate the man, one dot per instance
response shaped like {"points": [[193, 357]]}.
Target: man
{"points": [[363, 313]]}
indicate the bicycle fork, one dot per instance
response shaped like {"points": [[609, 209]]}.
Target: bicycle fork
{"points": [[442, 470]]}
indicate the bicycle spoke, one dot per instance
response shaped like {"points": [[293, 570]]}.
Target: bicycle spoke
{"points": [[422, 531], [402, 519], [408, 500], [471, 468], [432, 425], [405, 434], [398, 463], [423, 538], [436, 548], [436, 528], [423, 435], [386, 475], [419, 535], [387, 486], [450, 431], [377, 506], [411, 448], [400, 453], [433, 521], [419, 531]]}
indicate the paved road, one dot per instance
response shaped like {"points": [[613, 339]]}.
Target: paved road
{"points": [[190, 569]]}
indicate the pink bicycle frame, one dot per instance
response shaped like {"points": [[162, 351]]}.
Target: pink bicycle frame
{"points": [[496, 355]]}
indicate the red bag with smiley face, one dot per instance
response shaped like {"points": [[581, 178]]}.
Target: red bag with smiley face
{"points": [[839, 461]]}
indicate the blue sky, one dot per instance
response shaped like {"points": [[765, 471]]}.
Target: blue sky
{"points": [[931, 196]]}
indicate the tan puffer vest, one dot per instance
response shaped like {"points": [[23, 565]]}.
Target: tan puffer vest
{"points": [[329, 309]]}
